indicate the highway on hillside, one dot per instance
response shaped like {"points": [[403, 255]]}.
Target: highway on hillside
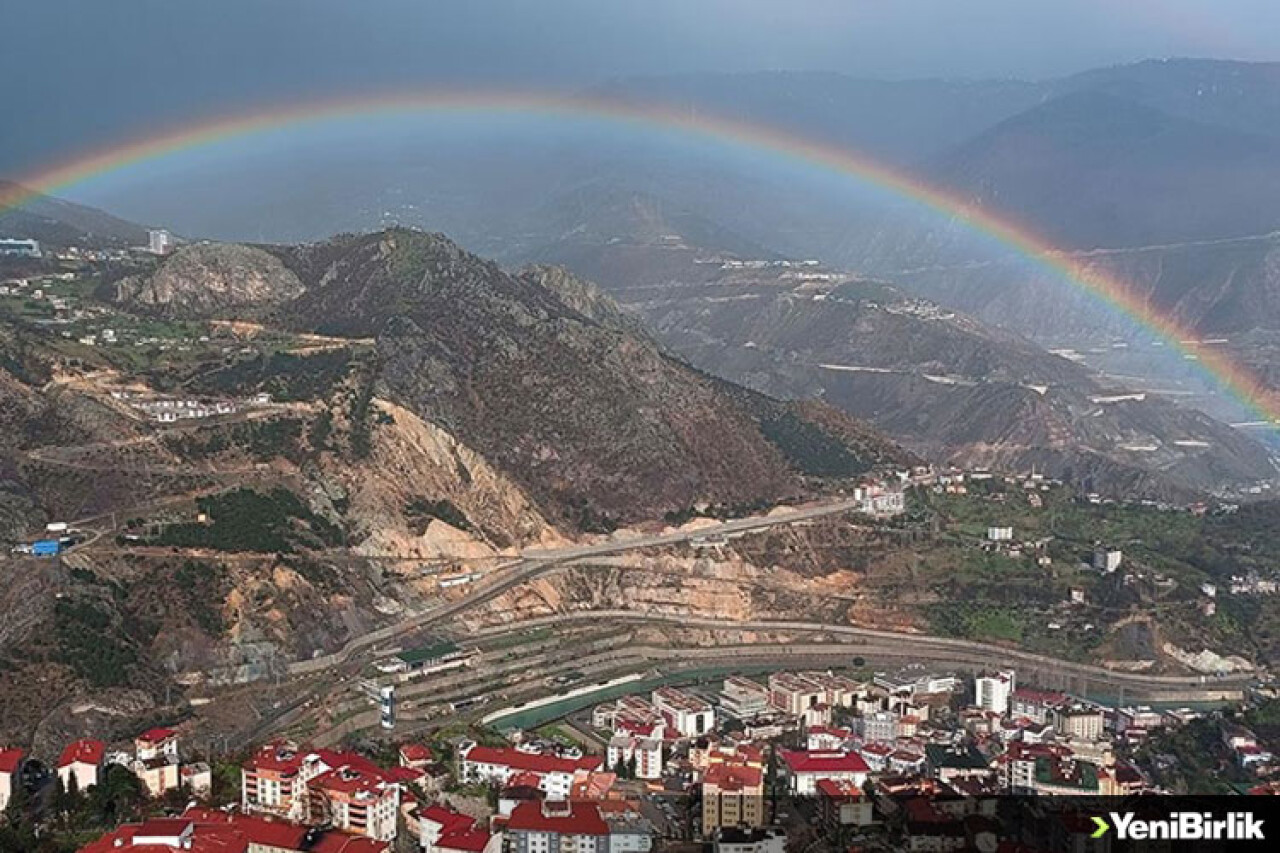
{"points": [[536, 562]]}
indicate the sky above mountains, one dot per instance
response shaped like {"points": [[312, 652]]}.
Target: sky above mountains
{"points": [[87, 70]]}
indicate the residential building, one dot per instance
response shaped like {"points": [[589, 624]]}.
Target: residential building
{"points": [[20, 248], [804, 769], [842, 803], [496, 765], [732, 796], [629, 830], [415, 756], [1035, 705], [687, 715], [436, 823], [197, 778], [947, 762], [646, 753], [1107, 560], [274, 781], [158, 775], [355, 798], [552, 826], [208, 831], [81, 764], [1078, 720], [10, 774], [877, 727], [156, 743], [826, 737], [992, 692], [159, 241]]}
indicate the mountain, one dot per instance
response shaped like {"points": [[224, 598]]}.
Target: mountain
{"points": [[945, 384], [33, 216], [1090, 169], [589, 418], [1241, 96]]}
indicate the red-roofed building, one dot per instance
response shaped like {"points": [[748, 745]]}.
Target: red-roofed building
{"points": [[1035, 705], [551, 825], [82, 761], [356, 799], [10, 771], [156, 743], [805, 769], [843, 803], [827, 737], [732, 795], [496, 765], [442, 829], [317, 786], [205, 831], [415, 756]]}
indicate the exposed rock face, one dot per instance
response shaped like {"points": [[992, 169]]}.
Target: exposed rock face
{"points": [[212, 280], [584, 297]]}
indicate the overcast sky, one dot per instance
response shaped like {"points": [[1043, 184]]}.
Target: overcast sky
{"points": [[80, 70]]}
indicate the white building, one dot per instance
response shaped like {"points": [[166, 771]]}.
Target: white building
{"points": [[496, 765], [82, 761], [159, 241], [10, 769], [992, 692], [688, 715], [806, 769], [645, 752], [1107, 559]]}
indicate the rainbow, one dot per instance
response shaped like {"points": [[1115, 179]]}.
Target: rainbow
{"points": [[1234, 379]]}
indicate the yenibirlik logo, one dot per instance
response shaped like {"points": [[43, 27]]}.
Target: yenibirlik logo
{"points": [[1182, 826]]}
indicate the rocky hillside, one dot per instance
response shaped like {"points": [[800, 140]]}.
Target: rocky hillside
{"points": [[941, 382], [207, 280], [594, 420]]}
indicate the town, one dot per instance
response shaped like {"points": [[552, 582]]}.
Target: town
{"points": [[914, 758]]}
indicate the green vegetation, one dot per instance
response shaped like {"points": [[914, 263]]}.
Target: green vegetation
{"points": [[284, 375], [811, 450], [88, 643], [587, 518], [203, 588], [245, 520], [263, 440]]}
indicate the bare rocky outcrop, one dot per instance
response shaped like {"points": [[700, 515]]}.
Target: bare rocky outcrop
{"points": [[212, 280]]}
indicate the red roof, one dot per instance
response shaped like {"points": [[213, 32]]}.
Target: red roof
{"points": [[415, 752], [156, 735], [565, 818], [519, 760], [473, 841], [447, 819], [84, 751], [733, 777], [839, 789], [10, 760], [804, 761], [278, 757], [220, 832]]}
